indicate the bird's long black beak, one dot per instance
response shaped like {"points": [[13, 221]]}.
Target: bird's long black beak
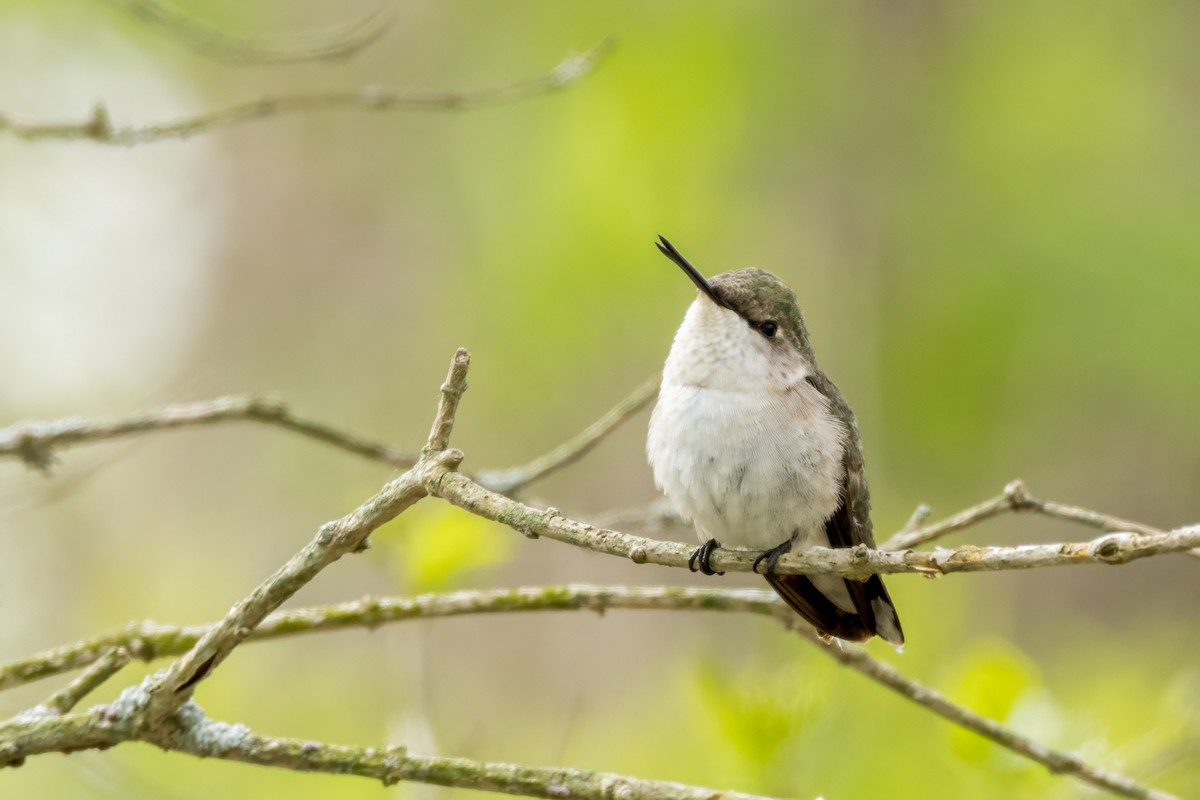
{"points": [[701, 282]]}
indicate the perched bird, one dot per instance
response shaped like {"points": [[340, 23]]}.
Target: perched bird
{"points": [[756, 447]]}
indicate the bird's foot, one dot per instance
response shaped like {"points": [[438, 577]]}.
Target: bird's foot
{"points": [[772, 556], [699, 559]]}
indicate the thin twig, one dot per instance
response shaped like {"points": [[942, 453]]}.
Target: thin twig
{"points": [[100, 128], [510, 481], [69, 696], [1015, 498], [157, 641], [339, 41], [36, 443], [918, 518], [905, 540], [451, 392], [1094, 519]]}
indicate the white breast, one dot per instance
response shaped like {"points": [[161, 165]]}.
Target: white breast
{"points": [[749, 469]]}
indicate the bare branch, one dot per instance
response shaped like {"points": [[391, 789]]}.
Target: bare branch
{"points": [[917, 519], [157, 641], [39, 730], [907, 539], [65, 699], [396, 764], [339, 41], [142, 640], [452, 392], [191, 732], [35, 443], [100, 128], [857, 562], [1015, 498], [69, 696], [659, 515], [149, 640], [510, 481]]}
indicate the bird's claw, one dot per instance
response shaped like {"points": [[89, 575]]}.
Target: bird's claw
{"points": [[772, 557], [700, 558]]}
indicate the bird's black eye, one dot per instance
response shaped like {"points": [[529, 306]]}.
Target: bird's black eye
{"points": [[769, 328]]}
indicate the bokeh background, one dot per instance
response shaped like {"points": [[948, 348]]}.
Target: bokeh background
{"points": [[987, 209]]}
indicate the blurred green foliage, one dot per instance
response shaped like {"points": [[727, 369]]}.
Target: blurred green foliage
{"points": [[987, 209], [994, 678], [436, 547]]}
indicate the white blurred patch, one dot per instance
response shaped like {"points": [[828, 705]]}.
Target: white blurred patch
{"points": [[104, 252]]}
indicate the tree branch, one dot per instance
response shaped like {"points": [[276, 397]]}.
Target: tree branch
{"points": [[152, 641], [148, 641], [339, 41], [191, 732], [659, 515], [452, 391], [100, 128], [856, 562], [918, 518], [1015, 498], [213, 739], [108, 665], [36, 443]]}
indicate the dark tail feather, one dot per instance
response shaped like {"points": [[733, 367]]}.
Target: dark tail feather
{"points": [[885, 622], [876, 616]]}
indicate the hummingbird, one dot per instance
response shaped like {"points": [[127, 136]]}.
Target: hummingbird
{"points": [[758, 450]]}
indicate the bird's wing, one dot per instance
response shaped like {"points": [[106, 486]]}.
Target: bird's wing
{"points": [[848, 526], [855, 528]]}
